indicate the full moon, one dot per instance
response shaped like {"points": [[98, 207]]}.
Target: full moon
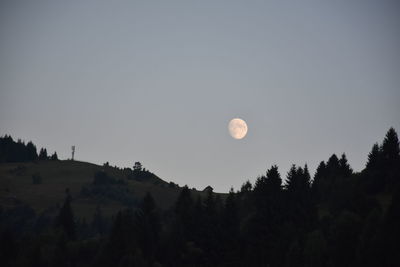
{"points": [[237, 128]]}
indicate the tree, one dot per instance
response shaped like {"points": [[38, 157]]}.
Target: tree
{"points": [[391, 231], [184, 204], [54, 156], [333, 165], [231, 230], [31, 151], [391, 159], [390, 148], [374, 158], [344, 236], [121, 241], [315, 249], [263, 224], [246, 187], [147, 226], [318, 181], [298, 181], [370, 249], [344, 167], [137, 167], [301, 211], [65, 219], [43, 154]]}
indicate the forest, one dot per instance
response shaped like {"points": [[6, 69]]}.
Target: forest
{"points": [[338, 217]]}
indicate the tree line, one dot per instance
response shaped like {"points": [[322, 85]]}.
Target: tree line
{"points": [[11, 151], [337, 218]]}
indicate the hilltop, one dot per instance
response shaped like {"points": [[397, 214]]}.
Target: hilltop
{"points": [[124, 189]]}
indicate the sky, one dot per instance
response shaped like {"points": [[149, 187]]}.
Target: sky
{"points": [[159, 81]]}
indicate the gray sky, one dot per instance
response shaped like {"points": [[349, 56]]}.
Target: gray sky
{"points": [[158, 82]]}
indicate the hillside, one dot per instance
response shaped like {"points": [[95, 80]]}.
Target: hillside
{"points": [[17, 187], [49, 215]]}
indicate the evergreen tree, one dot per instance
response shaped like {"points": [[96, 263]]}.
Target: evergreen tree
{"points": [[246, 187], [369, 250], [345, 169], [374, 158], [391, 231], [121, 241], [184, 204], [298, 181], [65, 219], [318, 181], [262, 229], [300, 209], [391, 159], [43, 154], [31, 151], [231, 230], [137, 167], [333, 165], [148, 228], [54, 156], [390, 148], [184, 213]]}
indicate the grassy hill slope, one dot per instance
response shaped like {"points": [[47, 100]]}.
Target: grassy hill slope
{"points": [[17, 187]]}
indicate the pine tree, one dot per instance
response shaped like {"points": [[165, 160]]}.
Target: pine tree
{"points": [[43, 154], [345, 169], [65, 219], [147, 225], [390, 148], [392, 231], [374, 158], [391, 159], [333, 166], [246, 187], [54, 156], [31, 151], [300, 208], [297, 181], [231, 230], [318, 181], [184, 213]]}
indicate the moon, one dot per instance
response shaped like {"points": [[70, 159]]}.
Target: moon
{"points": [[237, 128]]}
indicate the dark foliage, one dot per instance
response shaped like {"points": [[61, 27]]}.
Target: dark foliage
{"points": [[105, 187], [340, 218], [65, 219], [11, 151]]}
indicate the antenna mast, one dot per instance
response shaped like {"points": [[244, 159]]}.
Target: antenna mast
{"points": [[73, 152]]}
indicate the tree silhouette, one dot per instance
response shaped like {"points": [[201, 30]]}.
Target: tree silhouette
{"points": [[374, 158], [54, 156], [43, 154], [391, 231], [31, 151], [390, 148], [148, 228], [65, 219], [344, 167], [342, 218]]}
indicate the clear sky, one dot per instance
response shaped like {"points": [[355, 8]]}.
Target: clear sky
{"points": [[158, 82]]}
